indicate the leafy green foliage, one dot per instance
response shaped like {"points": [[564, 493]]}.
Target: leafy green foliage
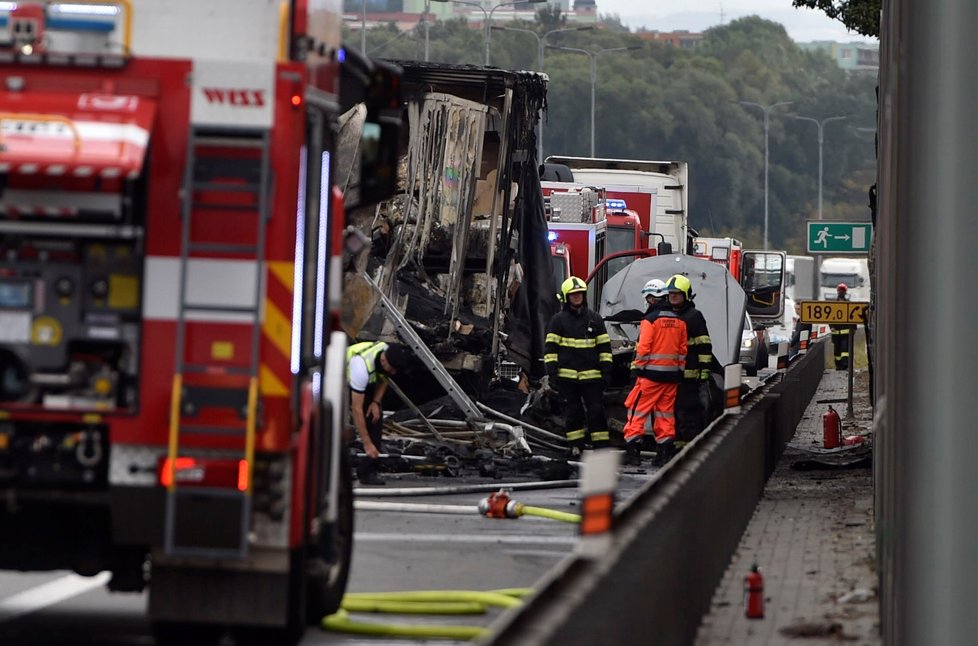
{"points": [[861, 16], [662, 102]]}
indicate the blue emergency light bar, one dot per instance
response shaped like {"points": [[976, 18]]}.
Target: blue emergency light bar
{"points": [[616, 204], [71, 17]]}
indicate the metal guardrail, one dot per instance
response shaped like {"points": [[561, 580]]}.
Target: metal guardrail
{"points": [[673, 540]]}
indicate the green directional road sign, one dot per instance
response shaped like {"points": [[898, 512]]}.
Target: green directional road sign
{"points": [[839, 237]]}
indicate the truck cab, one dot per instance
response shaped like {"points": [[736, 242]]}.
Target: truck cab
{"points": [[854, 272], [657, 191], [723, 251]]}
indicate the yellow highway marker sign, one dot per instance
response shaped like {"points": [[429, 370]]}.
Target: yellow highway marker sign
{"points": [[834, 312]]}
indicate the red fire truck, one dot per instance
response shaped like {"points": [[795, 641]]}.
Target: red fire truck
{"points": [[576, 228], [585, 226], [656, 191], [724, 251], [171, 390]]}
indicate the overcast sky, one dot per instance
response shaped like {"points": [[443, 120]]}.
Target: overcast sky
{"points": [[696, 15]]}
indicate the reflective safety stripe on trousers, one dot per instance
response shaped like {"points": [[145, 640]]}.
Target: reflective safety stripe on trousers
{"points": [[578, 375]]}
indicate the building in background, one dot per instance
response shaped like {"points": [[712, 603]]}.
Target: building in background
{"points": [[852, 57], [406, 14], [681, 38]]}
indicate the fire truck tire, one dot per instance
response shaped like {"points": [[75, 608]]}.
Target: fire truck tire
{"points": [[264, 636], [172, 633], [326, 581]]}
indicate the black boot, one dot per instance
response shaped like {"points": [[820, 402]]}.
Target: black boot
{"points": [[664, 452], [633, 453], [367, 473]]}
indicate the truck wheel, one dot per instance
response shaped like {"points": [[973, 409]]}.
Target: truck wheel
{"points": [[325, 579], [174, 633], [265, 636]]}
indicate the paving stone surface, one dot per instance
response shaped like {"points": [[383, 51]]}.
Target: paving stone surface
{"points": [[812, 535]]}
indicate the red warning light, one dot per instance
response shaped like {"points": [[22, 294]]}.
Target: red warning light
{"points": [[296, 100]]}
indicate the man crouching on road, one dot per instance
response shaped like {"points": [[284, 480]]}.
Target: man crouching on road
{"points": [[368, 366]]}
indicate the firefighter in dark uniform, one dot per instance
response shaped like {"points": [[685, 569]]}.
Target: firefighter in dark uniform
{"points": [[693, 390], [841, 334], [578, 360], [368, 366]]}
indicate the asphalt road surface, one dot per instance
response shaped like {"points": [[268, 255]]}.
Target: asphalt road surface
{"points": [[393, 551]]}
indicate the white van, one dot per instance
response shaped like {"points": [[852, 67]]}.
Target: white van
{"points": [[854, 272]]}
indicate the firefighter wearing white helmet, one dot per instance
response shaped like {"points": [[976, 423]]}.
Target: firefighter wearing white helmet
{"points": [[578, 360], [660, 358], [655, 293]]}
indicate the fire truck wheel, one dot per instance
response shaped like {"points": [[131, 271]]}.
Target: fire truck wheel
{"points": [[264, 636], [326, 580], [167, 633]]}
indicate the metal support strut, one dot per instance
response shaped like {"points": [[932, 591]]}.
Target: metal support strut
{"points": [[421, 350]]}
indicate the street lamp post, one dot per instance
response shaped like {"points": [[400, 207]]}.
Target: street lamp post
{"points": [[541, 45], [821, 140], [487, 15], [593, 58], [363, 27], [766, 109], [427, 12]]}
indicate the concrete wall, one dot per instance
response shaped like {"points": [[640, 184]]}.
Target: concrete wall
{"points": [[673, 540]]}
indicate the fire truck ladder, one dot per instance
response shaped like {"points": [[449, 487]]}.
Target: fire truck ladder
{"points": [[227, 179]]}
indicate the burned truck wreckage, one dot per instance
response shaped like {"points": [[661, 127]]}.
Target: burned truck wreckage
{"points": [[457, 266]]}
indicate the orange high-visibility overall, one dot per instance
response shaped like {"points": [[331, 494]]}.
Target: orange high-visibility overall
{"points": [[660, 358]]}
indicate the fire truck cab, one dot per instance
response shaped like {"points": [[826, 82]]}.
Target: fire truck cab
{"points": [[657, 191], [171, 392], [724, 251]]}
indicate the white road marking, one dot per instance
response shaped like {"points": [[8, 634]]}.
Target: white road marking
{"points": [[50, 593], [536, 553]]}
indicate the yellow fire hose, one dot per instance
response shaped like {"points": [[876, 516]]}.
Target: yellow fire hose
{"points": [[543, 512], [341, 622], [444, 602]]}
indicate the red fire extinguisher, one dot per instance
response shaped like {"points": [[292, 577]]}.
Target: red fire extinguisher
{"points": [[754, 593], [830, 429]]}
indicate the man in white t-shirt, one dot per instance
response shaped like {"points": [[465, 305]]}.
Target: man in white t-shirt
{"points": [[369, 365]]}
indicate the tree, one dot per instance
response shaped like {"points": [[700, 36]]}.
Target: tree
{"points": [[860, 16], [664, 102], [550, 18]]}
